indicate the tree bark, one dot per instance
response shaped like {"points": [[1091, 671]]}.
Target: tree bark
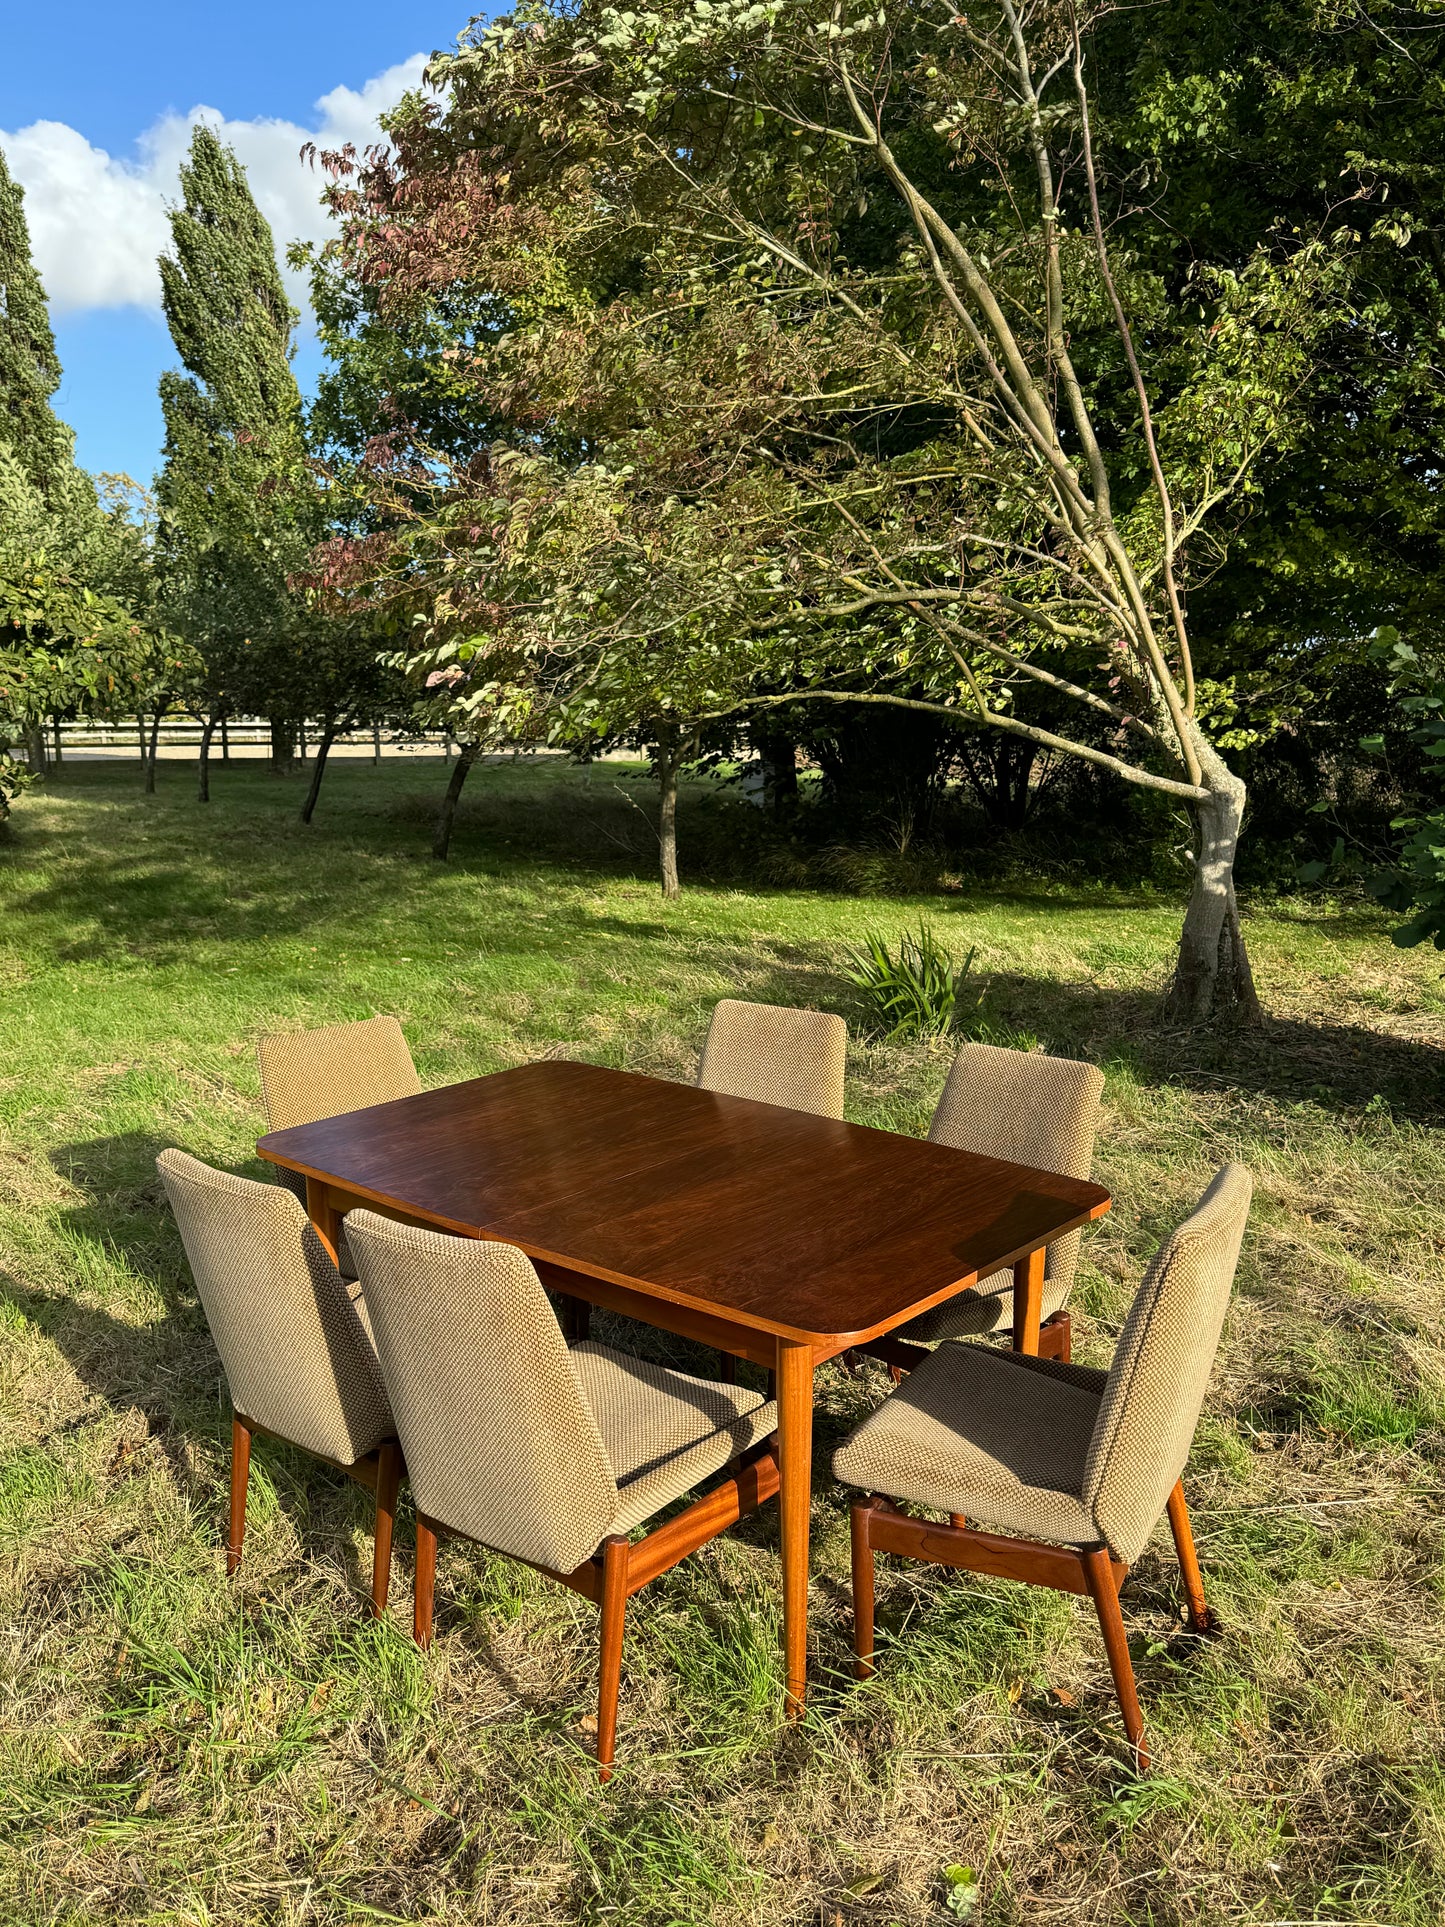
{"points": [[667, 816], [203, 766], [283, 746], [442, 839], [150, 754], [323, 750], [36, 754], [1212, 980], [59, 746]]}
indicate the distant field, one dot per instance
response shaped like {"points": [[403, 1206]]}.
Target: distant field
{"points": [[176, 1750]]}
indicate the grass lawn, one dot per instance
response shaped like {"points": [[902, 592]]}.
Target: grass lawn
{"points": [[177, 1750]]}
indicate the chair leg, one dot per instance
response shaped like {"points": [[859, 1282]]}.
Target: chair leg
{"points": [[575, 1317], [426, 1579], [240, 1482], [388, 1481], [1201, 1620], [1056, 1337], [958, 1521], [1099, 1575], [727, 1368], [862, 1593], [609, 1671]]}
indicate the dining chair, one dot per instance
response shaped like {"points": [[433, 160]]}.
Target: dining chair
{"points": [[1028, 1109], [777, 1055], [1074, 1467], [298, 1362], [551, 1454], [311, 1074]]}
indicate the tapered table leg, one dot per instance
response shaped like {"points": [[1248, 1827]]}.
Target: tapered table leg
{"points": [[325, 1218], [795, 1439], [1028, 1302]]}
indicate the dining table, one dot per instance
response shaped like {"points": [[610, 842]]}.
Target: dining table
{"points": [[773, 1235]]}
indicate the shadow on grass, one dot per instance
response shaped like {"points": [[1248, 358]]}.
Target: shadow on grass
{"points": [[166, 1368], [1340, 1067]]}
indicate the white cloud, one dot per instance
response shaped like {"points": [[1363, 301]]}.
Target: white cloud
{"points": [[97, 221]]}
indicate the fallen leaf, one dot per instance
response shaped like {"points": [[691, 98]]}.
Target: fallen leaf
{"points": [[866, 1883]]}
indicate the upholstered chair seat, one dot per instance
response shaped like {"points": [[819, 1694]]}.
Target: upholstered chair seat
{"points": [[550, 1454], [1074, 1467], [1031, 1109], [776, 1055], [293, 1343], [311, 1074]]}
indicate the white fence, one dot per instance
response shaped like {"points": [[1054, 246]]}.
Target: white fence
{"points": [[244, 733]]}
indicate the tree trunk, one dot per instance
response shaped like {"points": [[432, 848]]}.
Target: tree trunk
{"points": [[442, 839], [323, 750], [283, 746], [667, 816], [1212, 980], [150, 754], [203, 767], [59, 745], [36, 755], [779, 757]]}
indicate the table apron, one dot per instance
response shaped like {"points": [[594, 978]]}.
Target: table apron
{"points": [[704, 1328]]}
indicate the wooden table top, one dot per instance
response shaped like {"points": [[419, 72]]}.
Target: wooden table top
{"points": [[789, 1223]]}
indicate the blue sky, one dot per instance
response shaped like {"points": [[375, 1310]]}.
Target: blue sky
{"points": [[96, 105]]}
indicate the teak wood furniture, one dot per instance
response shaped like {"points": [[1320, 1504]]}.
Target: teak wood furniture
{"points": [[1037, 1110], [553, 1454], [306, 1074], [771, 1234], [1075, 1466], [295, 1349]]}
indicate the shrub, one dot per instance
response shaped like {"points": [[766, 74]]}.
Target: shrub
{"points": [[918, 992]]}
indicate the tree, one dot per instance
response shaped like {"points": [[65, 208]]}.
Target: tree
{"points": [[239, 511], [29, 365], [65, 648], [828, 312], [1416, 881]]}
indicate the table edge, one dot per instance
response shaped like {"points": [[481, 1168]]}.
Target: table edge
{"points": [[670, 1294]]}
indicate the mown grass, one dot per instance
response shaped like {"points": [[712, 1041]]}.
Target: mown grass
{"points": [[174, 1749]]}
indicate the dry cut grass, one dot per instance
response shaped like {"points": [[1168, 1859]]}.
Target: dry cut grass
{"points": [[177, 1750]]}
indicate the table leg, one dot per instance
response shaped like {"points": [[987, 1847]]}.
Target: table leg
{"points": [[795, 1497], [323, 1214], [1028, 1302]]}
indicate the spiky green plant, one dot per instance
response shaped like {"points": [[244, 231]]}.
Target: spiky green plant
{"points": [[917, 992]]}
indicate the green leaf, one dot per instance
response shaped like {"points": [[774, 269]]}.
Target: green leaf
{"points": [[961, 1892]]}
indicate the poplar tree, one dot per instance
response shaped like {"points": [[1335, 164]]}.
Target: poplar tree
{"points": [[29, 365], [238, 511]]}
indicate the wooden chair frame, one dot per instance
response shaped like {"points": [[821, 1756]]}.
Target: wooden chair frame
{"points": [[880, 1525], [620, 1568], [380, 1472]]}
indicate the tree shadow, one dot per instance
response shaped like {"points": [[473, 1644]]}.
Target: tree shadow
{"points": [[1341, 1067]]}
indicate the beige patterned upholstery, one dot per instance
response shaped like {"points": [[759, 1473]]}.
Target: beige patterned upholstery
{"points": [[794, 1058], [1060, 1452], [296, 1356], [1030, 1109], [311, 1074], [1162, 1362], [509, 1437]]}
